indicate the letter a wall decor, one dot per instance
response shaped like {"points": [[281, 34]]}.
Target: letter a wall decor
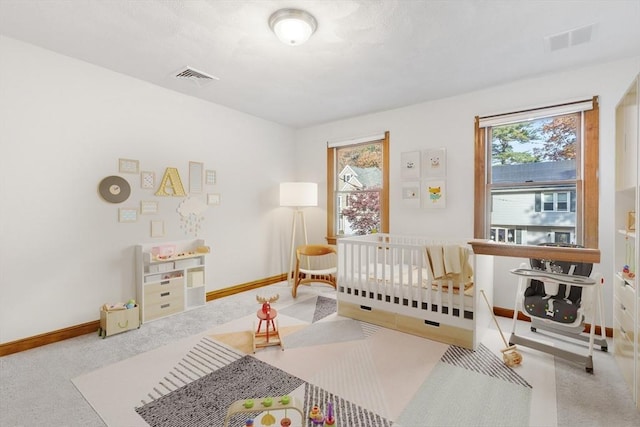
{"points": [[171, 184]]}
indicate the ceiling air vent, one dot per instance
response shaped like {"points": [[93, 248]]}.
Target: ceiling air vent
{"points": [[570, 38], [197, 77]]}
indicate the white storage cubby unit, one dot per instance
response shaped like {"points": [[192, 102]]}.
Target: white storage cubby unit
{"points": [[626, 295], [171, 277]]}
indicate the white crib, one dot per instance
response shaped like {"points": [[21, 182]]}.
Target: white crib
{"points": [[412, 284]]}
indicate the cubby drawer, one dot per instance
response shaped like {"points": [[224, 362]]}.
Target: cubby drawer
{"points": [[164, 285], [623, 351], [625, 293], [367, 314], [623, 315], [164, 308], [435, 331], [162, 296], [187, 263]]}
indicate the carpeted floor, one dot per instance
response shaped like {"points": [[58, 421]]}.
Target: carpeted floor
{"points": [[88, 381], [372, 376]]}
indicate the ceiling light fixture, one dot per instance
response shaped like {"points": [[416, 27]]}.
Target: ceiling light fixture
{"points": [[293, 26]]}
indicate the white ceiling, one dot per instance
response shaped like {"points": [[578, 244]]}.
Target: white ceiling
{"points": [[366, 56]]}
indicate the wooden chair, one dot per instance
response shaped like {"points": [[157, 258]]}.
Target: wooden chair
{"points": [[321, 266]]}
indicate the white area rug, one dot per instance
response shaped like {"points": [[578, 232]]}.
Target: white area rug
{"points": [[382, 371]]}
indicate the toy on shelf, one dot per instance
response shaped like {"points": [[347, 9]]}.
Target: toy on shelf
{"points": [[627, 273]]}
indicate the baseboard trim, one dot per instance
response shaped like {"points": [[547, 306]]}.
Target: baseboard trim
{"points": [[92, 327], [505, 312], [49, 338], [232, 290]]}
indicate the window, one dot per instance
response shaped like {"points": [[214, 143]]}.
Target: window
{"points": [[555, 202], [358, 187], [510, 235], [536, 175]]}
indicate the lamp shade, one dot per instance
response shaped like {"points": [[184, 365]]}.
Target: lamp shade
{"points": [[298, 194]]}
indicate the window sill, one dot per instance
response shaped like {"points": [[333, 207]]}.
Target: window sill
{"points": [[488, 247]]}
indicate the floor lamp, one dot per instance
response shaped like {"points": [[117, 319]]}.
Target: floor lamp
{"points": [[298, 195]]}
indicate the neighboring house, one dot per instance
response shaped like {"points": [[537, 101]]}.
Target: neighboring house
{"points": [[353, 178], [531, 214]]}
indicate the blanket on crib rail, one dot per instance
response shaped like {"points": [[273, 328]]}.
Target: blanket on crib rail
{"points": [[449, 262]]}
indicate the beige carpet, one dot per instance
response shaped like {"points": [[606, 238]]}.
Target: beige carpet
{"points": [[372, 367]]}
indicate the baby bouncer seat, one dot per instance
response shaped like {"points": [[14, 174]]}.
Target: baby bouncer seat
{"points": [[560, 297]]}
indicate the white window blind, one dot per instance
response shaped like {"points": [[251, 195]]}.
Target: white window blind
{"points": [[354, 141], [536, 113]]}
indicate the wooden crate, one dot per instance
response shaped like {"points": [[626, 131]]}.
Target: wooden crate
{"points": [[117, 321]]}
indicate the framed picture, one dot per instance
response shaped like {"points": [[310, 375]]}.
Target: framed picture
{"points": [[128, 166], [195, 177], [434, 163], [631, 221], [410, 168], [147, 180], [213, 199], [157, 228], [127, 215], [411, 194], [210, 177], [148, 207], [435, 194]]}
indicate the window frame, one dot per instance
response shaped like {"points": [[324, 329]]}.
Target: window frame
{"points": [[587, 185], [331, 235]]}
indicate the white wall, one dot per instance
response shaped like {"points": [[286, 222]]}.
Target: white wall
{"points": [[63, 126], [449, 123], [65, 123]]}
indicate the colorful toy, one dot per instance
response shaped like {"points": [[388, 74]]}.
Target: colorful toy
{"points": [[268, 420], [315, 415], [329, 420], [268, 405], [626, 272], [248, 423], [266, 303], [266, 314], [131, 303], [285, 422]]}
